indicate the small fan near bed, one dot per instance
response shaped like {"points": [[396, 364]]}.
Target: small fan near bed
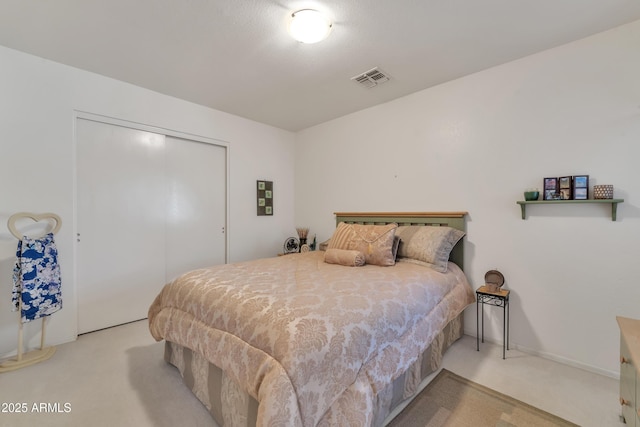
{"points": [[291, 245]]}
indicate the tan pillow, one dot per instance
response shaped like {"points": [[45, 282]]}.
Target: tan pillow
{"points": [[428, 244], [344, 257], [374, 241], [341, 237]]}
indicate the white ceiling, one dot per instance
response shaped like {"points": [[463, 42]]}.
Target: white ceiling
{"points": [[236, 55]]}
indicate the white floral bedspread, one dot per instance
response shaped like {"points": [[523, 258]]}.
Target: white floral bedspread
{"points": [[312, 342]]}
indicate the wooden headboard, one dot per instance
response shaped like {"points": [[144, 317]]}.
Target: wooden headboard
{"points": [[434, 219]]}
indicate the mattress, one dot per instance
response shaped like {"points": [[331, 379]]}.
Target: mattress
{"points": [[312, 343]]}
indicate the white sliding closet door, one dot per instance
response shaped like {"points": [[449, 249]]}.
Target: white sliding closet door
{"points": [[120, 212], [196, 205], [150, 207]]}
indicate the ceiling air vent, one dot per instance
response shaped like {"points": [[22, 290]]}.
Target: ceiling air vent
{"points": [[371, 78]]}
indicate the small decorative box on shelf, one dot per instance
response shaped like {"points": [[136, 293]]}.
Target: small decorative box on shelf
{"points": [[613, 202]]}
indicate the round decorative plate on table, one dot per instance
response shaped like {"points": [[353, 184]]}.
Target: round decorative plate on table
{"points": [[493, 280], [291, 245]]}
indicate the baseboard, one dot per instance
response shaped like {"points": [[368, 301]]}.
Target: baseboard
{"points": [[550, 356]]}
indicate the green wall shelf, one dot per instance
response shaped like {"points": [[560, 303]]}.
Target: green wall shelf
{"points": [[613, 202]]}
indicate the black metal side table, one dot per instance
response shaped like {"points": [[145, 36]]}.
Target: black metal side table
{"points": [[499, 298]]}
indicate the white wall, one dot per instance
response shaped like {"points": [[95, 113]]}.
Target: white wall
{"points": [[475, 144], [37, 167]]}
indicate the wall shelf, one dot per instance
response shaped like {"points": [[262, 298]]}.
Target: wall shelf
{"points": [[613, 202]]}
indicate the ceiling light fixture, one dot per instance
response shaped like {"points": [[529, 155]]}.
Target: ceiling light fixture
{"points": [[309, 26]]}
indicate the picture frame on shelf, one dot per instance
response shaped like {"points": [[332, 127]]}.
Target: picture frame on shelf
{"points": [[550, 189], [565, 186], [581, 187], [580, 194]]}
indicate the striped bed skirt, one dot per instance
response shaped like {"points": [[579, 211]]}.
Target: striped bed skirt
{"points": [[230, 405]]}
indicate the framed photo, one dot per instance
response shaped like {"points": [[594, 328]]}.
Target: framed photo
{"points": [[580, 194], [550, 189], [565, 185], [265, 197], [580, 187]]}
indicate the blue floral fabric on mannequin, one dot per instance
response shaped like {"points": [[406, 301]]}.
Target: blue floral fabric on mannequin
{"points": [[36, 278]]}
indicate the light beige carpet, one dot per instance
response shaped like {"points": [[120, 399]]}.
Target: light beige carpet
{"points": [[452, 401]]}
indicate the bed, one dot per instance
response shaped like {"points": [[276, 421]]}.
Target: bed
{"points": [[297, 341]]}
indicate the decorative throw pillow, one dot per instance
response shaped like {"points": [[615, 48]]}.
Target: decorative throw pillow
{"points": [[374, 241], [344, 257], [341, 237], [430, 245]]}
